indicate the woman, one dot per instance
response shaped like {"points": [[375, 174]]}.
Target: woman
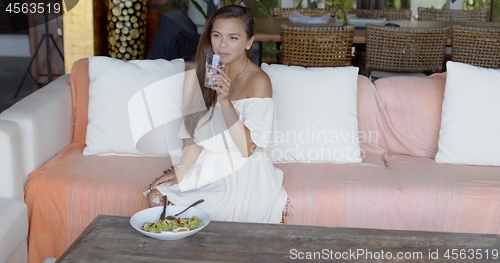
{"points": [[224, 159]]}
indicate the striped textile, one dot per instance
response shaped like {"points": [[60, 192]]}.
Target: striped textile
{"points": [[398, 185], [413, 109], [68, 192], [397, 192], [407, 193]]}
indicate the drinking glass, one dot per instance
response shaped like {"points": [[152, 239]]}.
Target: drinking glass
{"points": [[212, 60]]}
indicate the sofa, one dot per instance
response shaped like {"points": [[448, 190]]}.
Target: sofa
{"points": [[13, 210], [398, 184]]}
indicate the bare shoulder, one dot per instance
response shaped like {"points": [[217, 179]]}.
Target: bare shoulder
{"points": [[260, 84]]}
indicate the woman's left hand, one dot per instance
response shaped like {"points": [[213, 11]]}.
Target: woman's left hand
{"points": [[223, 85]]}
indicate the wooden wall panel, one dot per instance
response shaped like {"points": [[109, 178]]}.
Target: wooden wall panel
{"points": [[85, 33], [151, 26], [78, 33], [100, 31]]}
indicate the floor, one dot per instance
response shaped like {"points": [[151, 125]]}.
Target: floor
{"points": [[12, 70]]}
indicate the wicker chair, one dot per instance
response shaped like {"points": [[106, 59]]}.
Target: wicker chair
{"points": [[389, 14], [400, 49], [313, 12], [321, 46], [286, 12], [478, 46], [431, 14]]}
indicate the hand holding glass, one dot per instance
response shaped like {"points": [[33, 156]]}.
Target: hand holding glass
{"points": [[212, 60]]}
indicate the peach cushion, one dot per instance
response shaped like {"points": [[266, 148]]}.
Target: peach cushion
{"points": [[80, 82], [413, 109], [371, 119]]}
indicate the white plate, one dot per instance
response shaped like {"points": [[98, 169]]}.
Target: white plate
{"points": [[153, 214]]}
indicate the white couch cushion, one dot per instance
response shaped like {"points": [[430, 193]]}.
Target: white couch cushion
{"points": [[113, 83], [21, 254], [45, 120], [11, 177], [13, 226], [470, 121], [316, 114]]}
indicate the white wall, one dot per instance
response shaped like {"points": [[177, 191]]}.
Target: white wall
{"points": [[287, 3], [196, 16], [14, 45], [456, 5], [292, 3]]}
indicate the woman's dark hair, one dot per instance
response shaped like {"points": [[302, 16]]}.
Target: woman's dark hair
{"points": [[205, 47]]}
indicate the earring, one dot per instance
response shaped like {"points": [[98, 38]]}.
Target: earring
{"points": [[247, 48]]}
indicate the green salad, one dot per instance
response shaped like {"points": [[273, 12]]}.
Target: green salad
{"points": [[166, 225]]}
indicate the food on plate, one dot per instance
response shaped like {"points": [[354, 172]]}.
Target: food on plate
{"points": [[181, 229], [178, 224]]}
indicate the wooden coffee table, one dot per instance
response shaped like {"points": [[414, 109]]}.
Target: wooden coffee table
{"points": [[112, 239]]}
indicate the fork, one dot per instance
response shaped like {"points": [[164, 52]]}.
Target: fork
{"points": [[195, 203], [162, 216]]}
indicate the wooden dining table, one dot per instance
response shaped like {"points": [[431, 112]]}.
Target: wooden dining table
{"points": [[112, 239], [268, 29]]}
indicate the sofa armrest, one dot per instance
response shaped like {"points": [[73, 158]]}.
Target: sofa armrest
{"points": [[45, 121], [13, 231], [11, 177]]}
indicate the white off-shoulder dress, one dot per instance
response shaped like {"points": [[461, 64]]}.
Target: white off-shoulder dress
{"points": [[234, 188]]}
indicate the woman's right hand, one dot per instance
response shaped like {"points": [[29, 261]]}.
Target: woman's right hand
{"points": [[168, 177]]}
